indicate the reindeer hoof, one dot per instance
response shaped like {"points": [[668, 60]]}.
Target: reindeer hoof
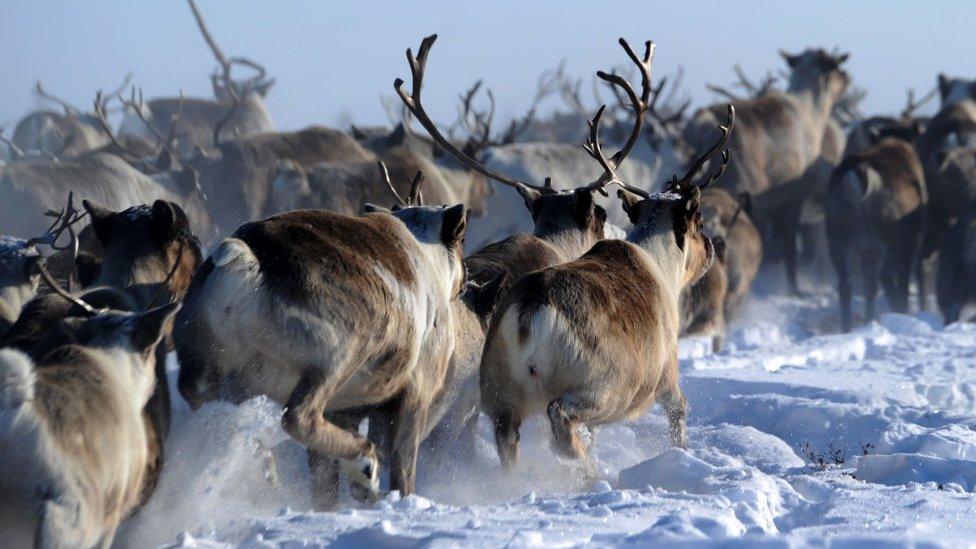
{"points": [[364, 476]]}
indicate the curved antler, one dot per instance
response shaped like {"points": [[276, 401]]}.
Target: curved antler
{"points": [[414, 198], [720, 148], [69, 109], [413, 102]]}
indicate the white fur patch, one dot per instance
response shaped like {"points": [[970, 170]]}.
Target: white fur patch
{"points": [[16, 379], [231, 250]]}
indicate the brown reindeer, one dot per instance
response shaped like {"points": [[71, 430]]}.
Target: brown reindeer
{"points": [[875, 214], [780, 136], [595, 340], [73, 445], [334, 316], [710, 304]]}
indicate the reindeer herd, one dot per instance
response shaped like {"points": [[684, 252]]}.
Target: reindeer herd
{"points": [[453, 302]]}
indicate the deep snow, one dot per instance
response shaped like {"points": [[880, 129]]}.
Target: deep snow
{"points": [[795, 438]]}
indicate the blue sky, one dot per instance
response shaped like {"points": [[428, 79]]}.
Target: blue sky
{"points": [[334, 59]]}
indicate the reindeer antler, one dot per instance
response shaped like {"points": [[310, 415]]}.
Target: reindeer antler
{"points": [[414, 103], [64, 221], [69, 109], [137, 104], [414, 198], [912, 105], [720, 148]]}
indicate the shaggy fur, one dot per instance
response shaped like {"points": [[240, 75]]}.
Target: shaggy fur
{"points": [[333, 316], [72, 442], [875, 213], [595, 340]]}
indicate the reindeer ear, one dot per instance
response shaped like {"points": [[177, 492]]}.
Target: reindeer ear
{"points": [[791, 60], [945, 85], [453, 225], [101, 220], [631, 204], [582, 206], [165, 221], [151, 325], [484, 299]]}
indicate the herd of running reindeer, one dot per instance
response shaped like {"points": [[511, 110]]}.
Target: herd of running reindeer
{"points": [[421, 317]]}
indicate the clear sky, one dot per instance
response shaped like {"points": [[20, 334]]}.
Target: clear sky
{"points": [[334, 59]]}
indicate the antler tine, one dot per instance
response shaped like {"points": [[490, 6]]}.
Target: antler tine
{"points": [[719, 147], [913, 105], [15, 151], [165, 142], [416, 198], [386, 178], [639, 104], [117, 92], [64, 220], [594, 147], [69, 109], [414, 105], [99, 112], [225, 65], [262, 72]]}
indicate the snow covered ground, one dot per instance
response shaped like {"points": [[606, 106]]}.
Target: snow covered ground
{"points": [[795, 438]]}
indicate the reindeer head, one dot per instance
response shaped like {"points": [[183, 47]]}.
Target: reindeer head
{"points": [[149, 247], [953, 90], [18, 277], [439, 229], [555, 213], [818, 71], [132, 337], [676, 213]]}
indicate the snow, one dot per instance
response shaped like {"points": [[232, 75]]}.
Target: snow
{"points": [[796, 436]]}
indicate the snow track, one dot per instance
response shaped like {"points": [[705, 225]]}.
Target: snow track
{"points": [[794, 439]]}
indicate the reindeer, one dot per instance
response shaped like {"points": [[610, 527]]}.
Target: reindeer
{"points": [[67, 135], [595, 340], [18, 279], [717, 297], [956, 281], [239, 109], [875, 213], [344, 186], [779, 138], [302, 289], [72, 442], [148, 257], [35, 185], [237, 176]]}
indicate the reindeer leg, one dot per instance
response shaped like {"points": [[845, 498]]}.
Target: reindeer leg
{"points": [[325, 469], [869, 278], [60, 525], [565, 415], [411, 424], [675, 405], [305, 421], [507, 437]]}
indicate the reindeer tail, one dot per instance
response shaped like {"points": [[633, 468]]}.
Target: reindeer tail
{"points": [[16, 379]]}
